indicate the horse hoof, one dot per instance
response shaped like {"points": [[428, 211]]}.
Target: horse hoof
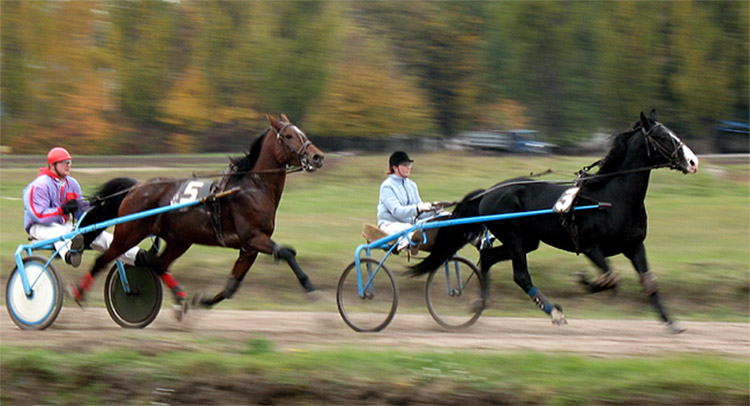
{"points": [[181, 310], [197, 300], [558, 318], [314, 296], [76, 293], [609, 280], [676, 328]]}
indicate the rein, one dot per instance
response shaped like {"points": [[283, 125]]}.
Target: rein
{"points": [[288, 169], [582, 176], [95, 199]]}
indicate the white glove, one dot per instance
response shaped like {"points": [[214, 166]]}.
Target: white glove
{"points": [[423, 207]]}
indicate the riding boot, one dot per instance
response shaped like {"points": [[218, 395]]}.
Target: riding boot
{"points": [[75, 253], [144, 258]]}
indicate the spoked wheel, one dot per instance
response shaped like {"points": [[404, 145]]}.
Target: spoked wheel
{"points": [[40, 309], [374, 309], [454, 294], [138, 307]]}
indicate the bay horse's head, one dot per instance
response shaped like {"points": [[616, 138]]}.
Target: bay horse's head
{"points": [[664, 147], [296, 148]]}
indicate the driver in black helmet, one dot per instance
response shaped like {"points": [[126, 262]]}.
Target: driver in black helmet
{"points": [[400, 205]]}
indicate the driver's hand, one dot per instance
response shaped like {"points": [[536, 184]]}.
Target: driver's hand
{"points": [[424, 207], [71, 206]]}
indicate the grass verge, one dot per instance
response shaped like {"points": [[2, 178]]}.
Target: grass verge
{"points": [[259, 374]]}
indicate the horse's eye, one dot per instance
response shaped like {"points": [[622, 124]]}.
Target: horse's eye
{"points": [[289, 136]]}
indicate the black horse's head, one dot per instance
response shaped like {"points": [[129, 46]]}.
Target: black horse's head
{"points": [[298, 150], [664, 147]]}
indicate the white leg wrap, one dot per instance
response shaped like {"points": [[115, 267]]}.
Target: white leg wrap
{"points": [[103, 241]]}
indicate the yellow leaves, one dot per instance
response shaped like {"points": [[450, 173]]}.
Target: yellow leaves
{"points": [[188, 103], [504, 114], [181, 143], [84, 126], [367, 95]]}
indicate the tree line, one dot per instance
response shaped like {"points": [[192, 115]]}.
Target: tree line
{"points": [[106, 77]]}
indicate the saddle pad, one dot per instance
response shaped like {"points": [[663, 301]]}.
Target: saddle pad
{"points": [[565, 202], [192, 190]]}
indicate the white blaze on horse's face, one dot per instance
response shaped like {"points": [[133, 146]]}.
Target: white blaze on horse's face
{"points": [[297, 131], [691, 160], [310, 157]]}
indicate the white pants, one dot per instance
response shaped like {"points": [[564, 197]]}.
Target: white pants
{"points": [[100, 243], [394, 228]]}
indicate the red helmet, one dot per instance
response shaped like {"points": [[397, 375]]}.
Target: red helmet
{"points": [[57, 154]]}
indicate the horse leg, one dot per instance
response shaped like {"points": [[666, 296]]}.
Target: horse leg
{"points": [[289, 255], [607, 280], [160, 266], [522, 278], [637, 257], [487, 258], [264, 244], [241, 266], [118, 247]]}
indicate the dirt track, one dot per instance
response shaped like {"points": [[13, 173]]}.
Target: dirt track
{"points": [[92, 328]]}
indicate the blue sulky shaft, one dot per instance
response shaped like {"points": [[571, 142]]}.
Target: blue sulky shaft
{"points": [[98, 226], [455, 222], [383, 242]]}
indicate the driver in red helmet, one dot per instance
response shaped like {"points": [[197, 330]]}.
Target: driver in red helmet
{"points": [[50, 200]]}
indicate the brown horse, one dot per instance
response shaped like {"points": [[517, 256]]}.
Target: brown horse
{"points": [[243, 220]]}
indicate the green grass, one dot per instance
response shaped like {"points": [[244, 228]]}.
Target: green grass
{"points": [[367, 376], [699, 235]]}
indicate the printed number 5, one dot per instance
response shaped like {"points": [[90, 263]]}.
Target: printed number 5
{"points": [[191, 191]]}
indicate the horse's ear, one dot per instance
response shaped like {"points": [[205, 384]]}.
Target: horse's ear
{"points": [[652, 116], [284, 118], [275, 123], [644, 122]]}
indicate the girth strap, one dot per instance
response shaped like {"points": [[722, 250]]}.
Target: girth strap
{"points": [[214, 208]]}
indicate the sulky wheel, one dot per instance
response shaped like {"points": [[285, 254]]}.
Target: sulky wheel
{"points": [[138, 307], [374, 309], [38, 310], [454, 294]]}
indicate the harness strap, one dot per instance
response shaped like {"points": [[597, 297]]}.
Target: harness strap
{"points": [[214, 208]]}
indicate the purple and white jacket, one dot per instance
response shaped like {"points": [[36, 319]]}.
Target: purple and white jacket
{"points": [[44, 196]]}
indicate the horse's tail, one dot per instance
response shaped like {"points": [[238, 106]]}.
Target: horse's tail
{"points": [[105, 203], [451, 239]]}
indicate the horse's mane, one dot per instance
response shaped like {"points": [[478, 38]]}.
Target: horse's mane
{"points": [[612, 161], [114, 187], [241, 165]]}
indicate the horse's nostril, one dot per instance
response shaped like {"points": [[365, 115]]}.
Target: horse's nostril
{"points": [[318, 158]]}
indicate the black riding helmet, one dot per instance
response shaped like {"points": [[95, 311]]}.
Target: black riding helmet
{"points": [[398, 158]]}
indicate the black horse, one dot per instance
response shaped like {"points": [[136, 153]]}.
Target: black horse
{"points": [[622, 180]]}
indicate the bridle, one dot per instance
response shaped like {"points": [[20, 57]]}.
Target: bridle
{"points": [[660, 147], [304, 160]]}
